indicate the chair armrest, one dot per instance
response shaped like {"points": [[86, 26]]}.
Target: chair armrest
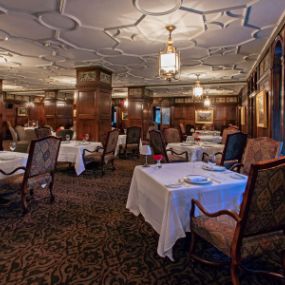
{"points": [[236, 167], [92, 151], [178, 153], [13, 171], [196, 203]]}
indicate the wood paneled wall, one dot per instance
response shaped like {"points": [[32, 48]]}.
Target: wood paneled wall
{"points": [[265, 77], [58, 111], [93, 103]]}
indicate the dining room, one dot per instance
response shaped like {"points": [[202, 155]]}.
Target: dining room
{"points": [[142, 142]]}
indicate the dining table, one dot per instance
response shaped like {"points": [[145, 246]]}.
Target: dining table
{"points": [[163, 196], [72, 151], [11, 160], [195, 150]]}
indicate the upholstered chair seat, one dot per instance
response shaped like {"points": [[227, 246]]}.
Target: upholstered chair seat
{"points": [[97, 157], [219, 231]]}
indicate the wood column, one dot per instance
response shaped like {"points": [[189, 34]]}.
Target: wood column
{"points": [[93, 102], [139, 108], [2, 110]]}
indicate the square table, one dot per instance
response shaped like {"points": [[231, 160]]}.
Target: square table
{"points": [[167, 210], [195, 151], [10, 160], [71, 151]]}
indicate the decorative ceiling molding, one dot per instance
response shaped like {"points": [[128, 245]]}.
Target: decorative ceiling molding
{"points": [[47, 39]]}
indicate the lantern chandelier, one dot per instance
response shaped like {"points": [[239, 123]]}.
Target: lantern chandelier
{"points": [[169, 59], [197, 90]]}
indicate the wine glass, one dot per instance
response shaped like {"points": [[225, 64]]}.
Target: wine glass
{"points": [[86, 136], [13, 146], [67, 138]]}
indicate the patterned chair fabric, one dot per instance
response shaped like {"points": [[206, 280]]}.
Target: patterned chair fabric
{"points": [[43, 132], [158, 147], [259, 226], [62, 134], [40, 168], [228, 131], [259, 149], [171, 135]]}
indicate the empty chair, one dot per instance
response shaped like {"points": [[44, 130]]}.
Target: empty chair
{"points": [[233, 150], [150, 128], [171, 135], [133, 140], [102, 156], [43, 132], [40, 168], [63, 133], [257, 229], [158, 147], [20, 130], [257, 150], [227, 131]]}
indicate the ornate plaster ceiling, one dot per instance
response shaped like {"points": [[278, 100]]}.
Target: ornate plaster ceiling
{"points": [[42, 41]]}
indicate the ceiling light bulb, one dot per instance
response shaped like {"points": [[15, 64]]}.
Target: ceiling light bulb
{"points": [[6, 38]]}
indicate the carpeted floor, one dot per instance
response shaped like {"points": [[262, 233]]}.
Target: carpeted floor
{"points": [[88, 237]]}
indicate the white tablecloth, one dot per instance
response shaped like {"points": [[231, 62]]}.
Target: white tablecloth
{"points": [[167, 210], [211, 133], [195, 151], [11, 160], [209, 138], [122, 140], [72, 152]]}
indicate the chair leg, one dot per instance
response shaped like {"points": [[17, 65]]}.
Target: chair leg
{"points": [[192, 244], [234, 273], [24, 201], [51, 190], [283, 262]]}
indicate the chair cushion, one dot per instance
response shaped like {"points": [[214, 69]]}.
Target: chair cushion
{"points": [[176, 158], [219, 232], [97, 157]]}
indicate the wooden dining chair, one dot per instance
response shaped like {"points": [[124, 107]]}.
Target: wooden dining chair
{"points": [[40, 168], [102, 156], [42, 132], [158, 147], [258, 228], [233, 150], [258, 149], [133, 140], [228, 131]]}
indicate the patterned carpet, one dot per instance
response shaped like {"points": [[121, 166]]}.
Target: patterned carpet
{"points": [[88, 237]]}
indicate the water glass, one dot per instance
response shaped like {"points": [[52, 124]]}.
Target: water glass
{"points": [[67, 137], [86, 136], [13, 146]]}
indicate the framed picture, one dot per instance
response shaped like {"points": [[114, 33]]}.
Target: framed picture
{"points": [[22, 112], [204, 116], [242, 115], [261, 109], [124, 116]]}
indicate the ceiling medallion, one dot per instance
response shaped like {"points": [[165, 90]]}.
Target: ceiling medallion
{"points": [[169, 59], [197, 90], [150, 7]]}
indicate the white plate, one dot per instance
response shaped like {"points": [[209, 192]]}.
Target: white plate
{"points": [[213, 167], [197, 179], [174, 185], [187, 144]]}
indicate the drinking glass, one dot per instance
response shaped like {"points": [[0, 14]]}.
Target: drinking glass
{"points": [[86, 136], [13, 146], [67, 137]]}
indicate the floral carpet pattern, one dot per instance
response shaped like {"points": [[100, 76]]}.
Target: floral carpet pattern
{"points": [[88, 237]]}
